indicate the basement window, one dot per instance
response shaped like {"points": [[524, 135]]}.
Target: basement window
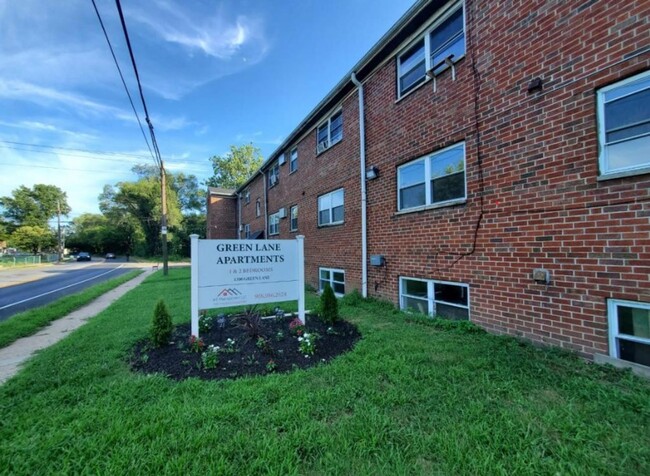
{"points": [[329, 132], [334, 277], [435, 298], [624, 126], [629, 331]]}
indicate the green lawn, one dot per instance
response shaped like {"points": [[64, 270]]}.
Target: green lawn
{"points": [[30, 322], [411, 398]]}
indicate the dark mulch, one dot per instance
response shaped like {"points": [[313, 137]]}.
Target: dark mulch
{"points": [[178, 362]]}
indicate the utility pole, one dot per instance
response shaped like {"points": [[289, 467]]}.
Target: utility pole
{"points": [[163, 182], [58, 223]]}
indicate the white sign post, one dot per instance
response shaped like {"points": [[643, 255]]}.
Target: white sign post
{"points": [[240, 272]]}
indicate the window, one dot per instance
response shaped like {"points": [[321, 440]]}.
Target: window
{"points": [[247, 196], [293, 161], [436, 298], [274, 175], [629, 331], [258, 208], [247, 231], [294, 218], [444, 39], [330, 132], [624, 125], [274, 224], [334, 277], [432, 180], [330, 208]]}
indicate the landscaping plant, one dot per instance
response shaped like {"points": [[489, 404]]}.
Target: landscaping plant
{"points": [[210, 357], [161, 329], [329, 308], [296, 327], [250, 321], [196, 344]]}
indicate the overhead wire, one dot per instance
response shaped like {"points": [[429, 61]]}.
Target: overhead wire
{"points": [[119, 70]]}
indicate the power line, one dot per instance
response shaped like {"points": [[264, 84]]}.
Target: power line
{"points": [[110, 46]]}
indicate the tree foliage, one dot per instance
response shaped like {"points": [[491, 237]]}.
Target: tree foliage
{"points": [[35, 206], [32, 238], [234, 168]]}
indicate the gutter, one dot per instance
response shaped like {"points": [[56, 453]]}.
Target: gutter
{"points": [[364, 196]]}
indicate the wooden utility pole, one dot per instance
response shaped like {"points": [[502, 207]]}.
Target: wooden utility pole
{"points": [[163, 182]]}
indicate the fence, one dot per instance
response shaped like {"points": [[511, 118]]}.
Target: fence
{"points": [[8, 261]]}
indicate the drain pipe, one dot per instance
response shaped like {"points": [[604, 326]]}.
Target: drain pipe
{"points": [[362, 157]]}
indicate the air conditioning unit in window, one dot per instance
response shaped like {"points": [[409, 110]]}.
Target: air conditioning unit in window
{"points": [[281, 160], [322, 146], [282, 213]]}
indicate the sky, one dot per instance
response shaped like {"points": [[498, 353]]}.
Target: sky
{"points": [[214, 74]]}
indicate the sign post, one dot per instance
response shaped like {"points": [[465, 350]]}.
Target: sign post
{"points": [[241, 272]]}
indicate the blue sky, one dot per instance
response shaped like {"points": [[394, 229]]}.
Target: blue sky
{"points": [[215, 73]]}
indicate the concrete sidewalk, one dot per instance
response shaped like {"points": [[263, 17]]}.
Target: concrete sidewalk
{"points": [[12, 356]]}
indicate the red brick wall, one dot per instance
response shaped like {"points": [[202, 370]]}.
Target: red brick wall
{"points": [[222, 218], [543, 205]]}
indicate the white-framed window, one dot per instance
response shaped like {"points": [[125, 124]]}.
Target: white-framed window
{"points": [[293, 218], [247, 196], [247, 231], [629, 330], [435, 179], [281, 159], [293, 161], [274, 175], [330, 208], [274, 224], [624, 126], [435, 298], [329, 132], [445, 38], [334, 277], [258, 208]]}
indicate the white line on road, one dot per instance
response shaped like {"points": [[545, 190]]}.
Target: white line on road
{"points": [[60, 289]]}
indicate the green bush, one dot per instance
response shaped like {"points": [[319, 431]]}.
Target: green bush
{"points": [[353, 298], [329, 307], [161, 329]]}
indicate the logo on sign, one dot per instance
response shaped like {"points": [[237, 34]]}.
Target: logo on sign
{"points": [[229, 292]]}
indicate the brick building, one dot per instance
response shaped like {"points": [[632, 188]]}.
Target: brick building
{"points": [[486, 161]]}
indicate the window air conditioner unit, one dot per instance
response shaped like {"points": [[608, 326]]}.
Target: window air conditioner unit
{"points": [[281, 160], [322, 146], [282, 213]]}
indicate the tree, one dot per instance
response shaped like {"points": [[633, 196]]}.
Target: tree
{"points": [[234, 168], [34, 206], [32, 238], [89, 233]]}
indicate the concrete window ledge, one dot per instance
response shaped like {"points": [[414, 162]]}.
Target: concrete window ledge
{"points": [[640, 370]]}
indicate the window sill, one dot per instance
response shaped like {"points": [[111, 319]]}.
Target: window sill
{"points": [[293, 172], [623, 174], [458, 201], [328, 147], [329, 225], [638, 369]]}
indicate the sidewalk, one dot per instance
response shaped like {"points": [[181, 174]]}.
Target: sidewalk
{"points": [[12, 356]]}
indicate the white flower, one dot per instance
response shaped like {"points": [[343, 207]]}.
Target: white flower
{"points": [[306, 336], [306, 356], [299, 339]]}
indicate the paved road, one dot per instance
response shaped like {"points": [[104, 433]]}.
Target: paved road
{"points": [[52, 283]]}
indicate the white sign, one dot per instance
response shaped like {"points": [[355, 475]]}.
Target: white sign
{"points": [[240, 272]]}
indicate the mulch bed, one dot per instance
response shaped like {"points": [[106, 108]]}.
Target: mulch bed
{"points": [[178, 361]]}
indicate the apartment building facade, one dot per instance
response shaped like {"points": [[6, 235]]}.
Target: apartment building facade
{"points": [[487, 161]]}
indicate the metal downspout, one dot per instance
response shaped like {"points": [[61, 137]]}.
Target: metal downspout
{"points": [[362, 165]]}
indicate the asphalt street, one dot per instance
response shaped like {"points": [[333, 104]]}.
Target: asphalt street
{"points": [[53, 283]]}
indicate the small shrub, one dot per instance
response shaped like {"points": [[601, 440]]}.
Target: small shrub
{"points": [[307, 344], [261, 343], [329, 307], [205, 323], [352, 299], [271, 366], [250, 321], [161, 328], [296, 327], [210, 357], [229, 346]]}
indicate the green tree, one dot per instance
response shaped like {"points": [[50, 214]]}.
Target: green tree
{"points": [[234, 168], [89, 232], [35, 206], [32, 238]]}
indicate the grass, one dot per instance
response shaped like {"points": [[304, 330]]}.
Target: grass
{"points": [[409, 399], [29, 322]]}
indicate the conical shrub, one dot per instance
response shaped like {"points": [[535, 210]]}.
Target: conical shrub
{"points": [[161, 328], [329, 306]]}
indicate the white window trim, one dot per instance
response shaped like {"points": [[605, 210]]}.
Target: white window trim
{"points": [[614, 334], [331, 280], [247, 196], [271, 218], [292, 161], [273, 183], [602, 139], [318, 210], [291, 228], [328, 121], [427, 179], [431, 294], [441, 17], [258, 208], [247, 231]]}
